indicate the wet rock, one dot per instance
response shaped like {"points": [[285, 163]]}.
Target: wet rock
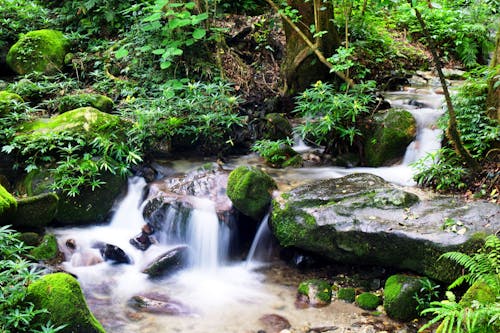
{"points": [[276, 127], [274, 323], [362, 219], [169, 262], [145, 239], [158, 304], [47, 249], [399, 296], [36, 212], [114, 253]]}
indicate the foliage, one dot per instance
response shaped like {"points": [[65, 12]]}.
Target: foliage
{"points": [[36, 87], [331, 118], [18, 17], [427, 294], [198, 113], [16, 273], [272, 150], [443, 169], [484, 267], [460, 32]]}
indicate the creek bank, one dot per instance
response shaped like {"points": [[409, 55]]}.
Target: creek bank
{"points": [[362, 219]]}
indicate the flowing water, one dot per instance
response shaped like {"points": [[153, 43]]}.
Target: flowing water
{"points": [[217, 295]]}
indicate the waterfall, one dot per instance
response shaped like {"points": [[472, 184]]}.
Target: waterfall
{"points": [[262, 244], [128, 213], [203, 235]]}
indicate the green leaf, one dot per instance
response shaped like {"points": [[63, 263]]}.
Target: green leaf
{"points": [[159, 51], [199, 33], [165, 64], [121, 53]]}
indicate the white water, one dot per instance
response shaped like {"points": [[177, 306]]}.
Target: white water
{"points": [[262, 245]]}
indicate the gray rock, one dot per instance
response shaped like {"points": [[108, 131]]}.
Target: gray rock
{"points": [[364, 220], [158, 304], [168, 262]]}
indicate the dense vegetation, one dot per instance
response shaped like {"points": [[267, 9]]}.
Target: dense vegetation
{"points": [[200, 76]]}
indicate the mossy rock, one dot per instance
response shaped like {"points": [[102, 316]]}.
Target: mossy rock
{"points": [[399, 296], [38, 51], [283, 156], [86, 120], [61, 295], [36, 212], [394, 131], [30, 238], [250, 190], [368, 301], [72, 102], [318, 292], [8, 102], [276, 127], [8, 206], [347, 294], [47, 249]]}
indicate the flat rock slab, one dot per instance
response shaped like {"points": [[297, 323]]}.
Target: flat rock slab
{"points": [[362, 219]]}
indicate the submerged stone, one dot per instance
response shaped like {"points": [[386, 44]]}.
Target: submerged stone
{"points": [[362, 219], [158, 304], [113, 253], [274, 323]]}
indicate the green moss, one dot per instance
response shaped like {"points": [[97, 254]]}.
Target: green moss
{"points": [[290, 225], [62, 296], [38, 51], [30, 238], [47, 249], [399, 292], [395, 130], [319, 292], [368, 301], [72, 102], [36, 212], [480, 292], [8, 101], [86, 120], [250, 191], [8, 206], [347, 294]]}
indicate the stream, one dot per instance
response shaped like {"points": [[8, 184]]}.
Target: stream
{"points": [[214, 294]]}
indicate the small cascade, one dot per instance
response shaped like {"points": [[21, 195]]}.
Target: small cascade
{"points": [[262, 245], [128, 213], [203, 235]]}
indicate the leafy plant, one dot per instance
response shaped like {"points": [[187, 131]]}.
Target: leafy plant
{"points": [[332, 118], [479, 316], [274, 152], [16, 273], [428, 293]]}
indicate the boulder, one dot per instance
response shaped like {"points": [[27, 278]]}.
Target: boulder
{"points": [[399, 296], [72, 102], [38, 51], [362, 219], [8, 206], [250, 190], [168, 262], [36, 212], [276, 127], [113, 253], [62, 296], [47, 249], [314, 292], [393, 131], [8, 102]]}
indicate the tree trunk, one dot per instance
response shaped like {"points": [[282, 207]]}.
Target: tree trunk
{"points": [[452, 131], [493, 100], [301, 67]]}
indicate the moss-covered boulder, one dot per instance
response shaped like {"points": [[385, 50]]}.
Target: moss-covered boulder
{"points": [[72, 102], [8, 206], [47, 249], [399, 296], [346, 294], [360, 218], [61, 295], [394, 130], [36, 212], [8, 102], [250, 190], [315, 292], [281, 155], [276, 127], [368, 301], [38, 51]]}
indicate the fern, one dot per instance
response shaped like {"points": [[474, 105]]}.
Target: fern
{"points": [[483, 266]]}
